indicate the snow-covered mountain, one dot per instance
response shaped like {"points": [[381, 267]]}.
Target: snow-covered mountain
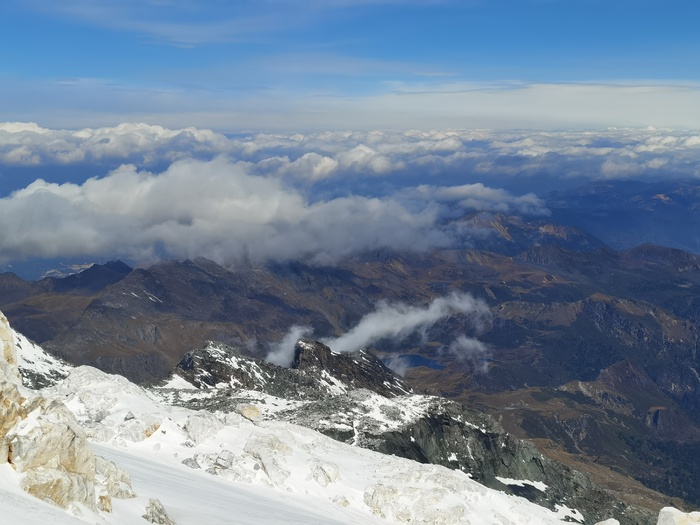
{"points": [[355, 399], [96, 448]]}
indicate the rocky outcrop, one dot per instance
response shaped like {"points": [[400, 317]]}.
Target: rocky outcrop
{"points": [[156, 513], [41, 439], [316, 372], [358, 370]]}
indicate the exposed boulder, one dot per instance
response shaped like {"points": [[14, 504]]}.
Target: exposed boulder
{"points": [[42, 440], [671, 516], [51, 449], [156, 513]]}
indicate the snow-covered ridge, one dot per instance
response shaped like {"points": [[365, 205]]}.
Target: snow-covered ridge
{"points": [[348, 484], [245, 462], [38, 368], [355, 399]]}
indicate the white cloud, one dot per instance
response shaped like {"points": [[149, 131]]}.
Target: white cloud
{"points": [[314, 157], [398, 321], [212, 208], [178, 193], [469, 351], [479, 197], [30, 144], [282, 352]]}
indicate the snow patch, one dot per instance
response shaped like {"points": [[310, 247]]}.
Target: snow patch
{"points": [[522, 482]]}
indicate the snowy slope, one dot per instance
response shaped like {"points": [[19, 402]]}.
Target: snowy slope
{"points": [[38, 368], [229, 456], [237, 467]]}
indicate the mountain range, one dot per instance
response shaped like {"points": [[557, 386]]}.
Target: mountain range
{"points": [[586, 342]]}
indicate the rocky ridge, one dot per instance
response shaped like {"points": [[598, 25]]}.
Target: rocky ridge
{"points": [[315, 369], [334, 394]]}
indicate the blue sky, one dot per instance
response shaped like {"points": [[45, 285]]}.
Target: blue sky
{"points": [[357, 64]]}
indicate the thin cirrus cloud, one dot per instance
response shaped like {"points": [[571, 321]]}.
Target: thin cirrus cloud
{"points": [[191, 23], [182, 23], [260, 104]]}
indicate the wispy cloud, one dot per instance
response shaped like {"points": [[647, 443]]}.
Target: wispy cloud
{"points": [[282, 352], [193, 23], [395, 322]]}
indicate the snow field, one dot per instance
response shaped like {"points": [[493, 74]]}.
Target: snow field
{"points": [[293, 467]]}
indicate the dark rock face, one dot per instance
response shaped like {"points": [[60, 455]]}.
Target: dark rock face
{"points": [[359, 370], [316, 372], [434, 430]]}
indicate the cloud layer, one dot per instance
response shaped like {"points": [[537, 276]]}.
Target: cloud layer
{"points": [[252, 198], [405, 105], [212, 208], [180, 193], [315, 157]]}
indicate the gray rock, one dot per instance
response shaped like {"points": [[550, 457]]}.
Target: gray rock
{"points": [[191, 462], [156, 513]]}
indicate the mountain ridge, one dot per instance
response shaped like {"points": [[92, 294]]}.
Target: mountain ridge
{"points": [[137, 431], [558, 316]]}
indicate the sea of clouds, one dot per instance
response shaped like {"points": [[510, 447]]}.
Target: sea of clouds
{"points": [[145, 192]]}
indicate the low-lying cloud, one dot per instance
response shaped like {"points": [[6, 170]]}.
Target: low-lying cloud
{"points": [[396, 322], [399, 157], [217, 209], [156, 192], [469, 351], [281, 353]]}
